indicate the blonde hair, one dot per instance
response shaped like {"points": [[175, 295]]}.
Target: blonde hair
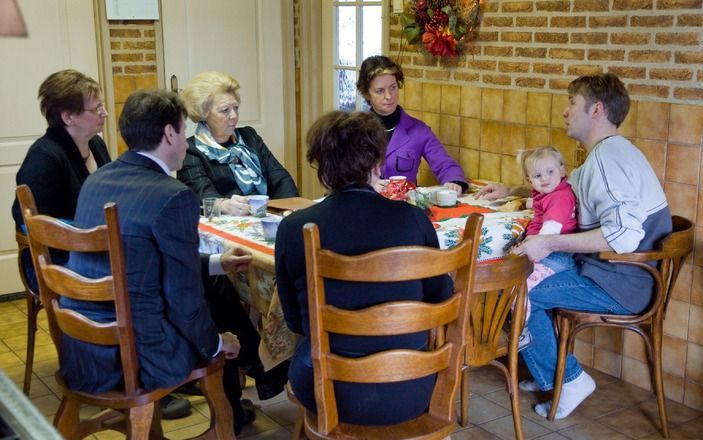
{"points": [[199, 92], [527, 158]]}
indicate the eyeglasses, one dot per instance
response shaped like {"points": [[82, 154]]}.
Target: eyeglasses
{"points": [[99, 110]]}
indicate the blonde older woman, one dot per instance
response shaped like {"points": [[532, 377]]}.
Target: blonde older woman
{"points": [[225, 161]]}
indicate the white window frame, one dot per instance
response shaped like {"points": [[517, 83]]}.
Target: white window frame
{"points": [[330, 41]]}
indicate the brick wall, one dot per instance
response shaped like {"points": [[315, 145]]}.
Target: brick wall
{"points": [[655, 46], [509, 93], [133, 54]]}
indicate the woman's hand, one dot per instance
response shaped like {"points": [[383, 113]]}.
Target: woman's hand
{"points": [[380, 185], [454, 187], [235, 205]]}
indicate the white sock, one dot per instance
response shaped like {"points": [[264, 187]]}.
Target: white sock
{"points": [[529, 386], [572, 394]]}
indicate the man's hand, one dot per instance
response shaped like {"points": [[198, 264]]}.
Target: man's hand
{"points": [[536, 247], [230, 345], [454, 187], [235, 259], [493, 191]]}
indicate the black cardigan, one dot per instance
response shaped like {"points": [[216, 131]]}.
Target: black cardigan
{"points": [[209, 178], [55, 171]]}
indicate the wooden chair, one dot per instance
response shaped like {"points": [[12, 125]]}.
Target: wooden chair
{"points": [[497, 287], [649, 324], [33, 307], [142, 411], [399, 317]]}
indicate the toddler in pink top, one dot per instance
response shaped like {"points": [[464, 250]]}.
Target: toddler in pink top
{"points": [[554, 205], [553, 200]]}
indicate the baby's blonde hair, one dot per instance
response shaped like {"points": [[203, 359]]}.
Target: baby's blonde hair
{"points": [[527, 158]]}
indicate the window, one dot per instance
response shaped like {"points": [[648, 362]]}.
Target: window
{"points": [[357, 31]]}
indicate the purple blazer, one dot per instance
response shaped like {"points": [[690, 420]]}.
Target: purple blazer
{"points": [[413, 140]]}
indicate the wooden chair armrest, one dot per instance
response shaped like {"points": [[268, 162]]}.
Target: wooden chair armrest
{"points": [[632, 257]]}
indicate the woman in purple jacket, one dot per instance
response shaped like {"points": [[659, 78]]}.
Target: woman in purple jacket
{"points": [[409, 139]]}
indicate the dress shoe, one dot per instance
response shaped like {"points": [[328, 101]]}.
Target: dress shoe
{"points": [[190, 388], [244, 413], [173, 408]]}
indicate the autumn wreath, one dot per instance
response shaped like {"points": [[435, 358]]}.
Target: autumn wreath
{"points": [[442, 27]]}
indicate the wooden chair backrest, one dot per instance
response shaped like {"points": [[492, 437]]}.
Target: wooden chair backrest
{"points": [[391, 318], [497, 286], [56, 281], [670, 255]]}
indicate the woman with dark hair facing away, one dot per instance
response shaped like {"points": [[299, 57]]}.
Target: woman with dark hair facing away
{"points": [[225, 161], [348, 151], [409, 139]]}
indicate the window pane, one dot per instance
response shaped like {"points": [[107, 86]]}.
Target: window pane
{"points": [[346, 90], [365, 107], [346, 35], [372, 31]]}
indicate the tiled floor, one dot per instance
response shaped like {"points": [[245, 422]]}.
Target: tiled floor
{"points": [[616, 410]]}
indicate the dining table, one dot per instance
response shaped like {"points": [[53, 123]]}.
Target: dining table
{"points": [[503, 226]]}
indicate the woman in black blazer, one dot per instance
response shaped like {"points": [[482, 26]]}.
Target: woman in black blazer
{"points": [[348, 151], [58, 163], [224, 161]]}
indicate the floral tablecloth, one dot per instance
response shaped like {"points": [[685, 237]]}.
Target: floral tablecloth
{"points": [[500, 231], [258, 286]]}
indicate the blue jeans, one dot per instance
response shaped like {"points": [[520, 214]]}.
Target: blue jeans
{"points": [[565, 289], [559, 261]]}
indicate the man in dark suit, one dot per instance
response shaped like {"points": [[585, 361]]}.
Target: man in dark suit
{"points": [[158, 220]]}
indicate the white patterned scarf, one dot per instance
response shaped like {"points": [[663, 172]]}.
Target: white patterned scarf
{"points": [[245, 165]]}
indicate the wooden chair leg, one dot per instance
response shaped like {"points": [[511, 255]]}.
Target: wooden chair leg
{"points": [[465, 389], [221, 414], [139, 425], [67, 418], [33, 307], [299, 428], [657, 376], [564, 326], [513, 387], [156, 431]]}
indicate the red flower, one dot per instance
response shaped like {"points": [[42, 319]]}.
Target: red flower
{"points": [[439, 41], [440, 18], [422, 18]]}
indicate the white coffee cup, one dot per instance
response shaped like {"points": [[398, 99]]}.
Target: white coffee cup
{"points": [[446, 197], [269, 225], [258, 205]]}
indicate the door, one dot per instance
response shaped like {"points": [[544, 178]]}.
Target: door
{"points": [[61, 34], [250, 39]]}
